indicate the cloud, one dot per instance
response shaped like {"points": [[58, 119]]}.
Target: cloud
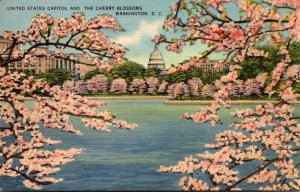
{"points": [[144, 29]]}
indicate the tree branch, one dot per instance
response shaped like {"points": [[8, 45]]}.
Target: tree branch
{"points": [[260, 168], [94, 51], [30, 178]]}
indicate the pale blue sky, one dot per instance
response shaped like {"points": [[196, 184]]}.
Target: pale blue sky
{"points": [[139, 29]]}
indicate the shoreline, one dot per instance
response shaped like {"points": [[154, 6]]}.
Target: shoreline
{"points": [[126, 97], [177, 102], [233, 102], [116, 97]]}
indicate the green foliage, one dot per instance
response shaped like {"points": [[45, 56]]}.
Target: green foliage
{"points": [[295, 52], [56, 76], [128, 71], [252, 66], [182, 76], [206, 77], [296, 87], [29, 73], [91, 74], [210, 78], [152, 73]]}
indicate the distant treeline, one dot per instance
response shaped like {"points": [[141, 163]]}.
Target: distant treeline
{"points": [[132, 78]]}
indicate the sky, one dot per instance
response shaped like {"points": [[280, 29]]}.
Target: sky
{"points": [[139, 30]]}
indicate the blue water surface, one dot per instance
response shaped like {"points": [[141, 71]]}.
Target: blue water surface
{"points": [[128, 160]]}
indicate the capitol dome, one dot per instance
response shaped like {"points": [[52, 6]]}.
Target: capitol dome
{"points": [[156, 60]]}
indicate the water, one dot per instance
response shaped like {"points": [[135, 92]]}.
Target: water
{"points": [[127, 160]]}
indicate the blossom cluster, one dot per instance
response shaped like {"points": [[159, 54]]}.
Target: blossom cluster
{"points": [[23, 144], [77, 33], [266, 136], [101, 84]]}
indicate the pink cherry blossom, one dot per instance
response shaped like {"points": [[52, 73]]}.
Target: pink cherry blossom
{"points": [[97, 84], [152, 84], [195, 85], [207, 91], [23, 142], [180, 90], [137, 86], [267, 135], [162, 89], [118, 86]]}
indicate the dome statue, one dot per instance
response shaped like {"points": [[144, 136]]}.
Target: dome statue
{"points": [[156, 60]]}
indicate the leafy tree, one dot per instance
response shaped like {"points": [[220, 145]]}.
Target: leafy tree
{"points": [[128, 71], [182, 76], [252, 66], [210, 78], [152, 73], [56, 76], [294, 50], [297, 87], [91, 74]]}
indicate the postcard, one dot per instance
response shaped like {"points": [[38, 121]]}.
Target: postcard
{"points": [[159, 95]]}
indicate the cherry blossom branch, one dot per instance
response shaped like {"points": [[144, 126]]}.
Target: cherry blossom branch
{"points": [[261, 167], [74, 35], [30, 178], [5, 128], [24, 154], [270, 127], [4, 64], [43, 36], [277, 6], [216, 18]]}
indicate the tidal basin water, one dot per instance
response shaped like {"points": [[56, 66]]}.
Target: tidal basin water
{"points": [[127, 160]]}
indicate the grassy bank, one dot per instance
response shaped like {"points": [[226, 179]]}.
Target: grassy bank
{"points": [[126, 97]]}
